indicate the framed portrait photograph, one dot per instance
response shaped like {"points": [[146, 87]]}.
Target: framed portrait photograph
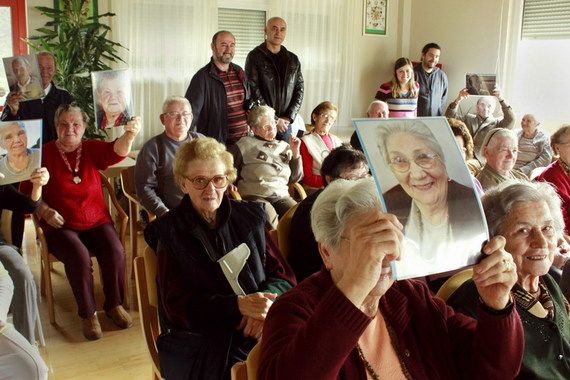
{"points": [[423, 180], [23, 75], [480, 84], [112, 99], [375, 17], [20, 149]]}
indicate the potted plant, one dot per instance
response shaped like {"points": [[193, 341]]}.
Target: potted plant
{"points": [[80, 45]]}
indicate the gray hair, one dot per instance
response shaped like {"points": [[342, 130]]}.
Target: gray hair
{"points": [[4, 127], [417, 129], [175, 99], [497, 132], [499, 200], [258, 113], [340, 200], [64, 108], [22, 60], [373, 103]]}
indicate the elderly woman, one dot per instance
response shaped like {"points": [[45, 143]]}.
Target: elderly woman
{"points": [[266, 166], [528, 216], [75, 218], [318, 144], [439, 214], [557, 173], [24, 305], [401, 93], [353, 321], [534, 146], [218, 270], [112, 99], [20, 161]]}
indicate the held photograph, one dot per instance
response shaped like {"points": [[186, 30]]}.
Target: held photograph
{"points": [[112, 98], [480, 84], [424, 181], [23, 76], [20, 149]]}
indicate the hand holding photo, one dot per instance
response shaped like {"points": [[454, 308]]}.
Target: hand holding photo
{"points": [[23, 76], [430, 191], [112, 97], [20, 150]]}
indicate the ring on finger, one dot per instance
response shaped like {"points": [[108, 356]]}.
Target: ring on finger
{"points": [[508, 264]]}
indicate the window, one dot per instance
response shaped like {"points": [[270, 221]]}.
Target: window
{"points": [[246, 26], [12, 31]]}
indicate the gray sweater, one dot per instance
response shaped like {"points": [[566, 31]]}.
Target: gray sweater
{"points": [[154, 180]]}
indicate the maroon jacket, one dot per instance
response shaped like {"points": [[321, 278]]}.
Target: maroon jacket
{"points": [[312, 330]]}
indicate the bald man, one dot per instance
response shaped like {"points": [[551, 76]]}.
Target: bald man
{"points": [[274, 76]]}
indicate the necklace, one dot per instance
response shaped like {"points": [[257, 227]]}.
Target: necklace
{"points": [[74, 172], [564, 166], [367, 365]]}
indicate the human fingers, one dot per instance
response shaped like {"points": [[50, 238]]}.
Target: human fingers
{"points": [[270, 296]]}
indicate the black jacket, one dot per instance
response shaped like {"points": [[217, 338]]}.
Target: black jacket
{"points": [[41, 109], [262, 75], [207, 95]]}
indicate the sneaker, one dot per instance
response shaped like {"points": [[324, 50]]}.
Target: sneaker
{"points": [[120, 317], [92, 328]]}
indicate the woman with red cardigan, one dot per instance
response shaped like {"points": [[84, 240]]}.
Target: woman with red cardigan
{"points": [[75, 217], [316, 145]]}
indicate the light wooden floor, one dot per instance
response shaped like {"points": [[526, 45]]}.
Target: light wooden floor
{"points": [[120, 354]]}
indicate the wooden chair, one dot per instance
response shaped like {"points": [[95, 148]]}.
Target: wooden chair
{"points": [[129, 190], [297, 191], [6, 225], [453, 283], [283, 231], [47, 259], [145, 279], [248, 370]]}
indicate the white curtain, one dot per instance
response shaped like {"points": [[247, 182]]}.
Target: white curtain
{"points": [[169, 40]]}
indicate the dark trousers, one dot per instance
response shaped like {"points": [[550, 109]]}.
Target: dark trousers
{"points": [[73, 248]]}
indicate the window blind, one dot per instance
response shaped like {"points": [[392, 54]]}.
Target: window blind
{"points": [[546, 19], [247, 27]]}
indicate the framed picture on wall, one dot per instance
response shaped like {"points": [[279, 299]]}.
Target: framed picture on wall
{"points": [[375, 17]]}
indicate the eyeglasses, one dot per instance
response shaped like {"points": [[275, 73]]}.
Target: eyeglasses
{"points": [[176, 115], [267, 127], [423, 160], [200, 182]]}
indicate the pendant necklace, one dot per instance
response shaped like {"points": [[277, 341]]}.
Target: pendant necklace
{"points": [[74, 172]]}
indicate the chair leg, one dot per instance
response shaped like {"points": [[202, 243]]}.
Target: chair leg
{"points": [[48, 289]]}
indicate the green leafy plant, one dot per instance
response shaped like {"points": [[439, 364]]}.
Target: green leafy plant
{"points": [[80, 45]]}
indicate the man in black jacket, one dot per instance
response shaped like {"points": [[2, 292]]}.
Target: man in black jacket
{"points": [[17, 109], [274, 76], [219, 94]]}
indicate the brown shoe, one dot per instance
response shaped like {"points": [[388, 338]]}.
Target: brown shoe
{"points": [[92, 328], [120, 317]]}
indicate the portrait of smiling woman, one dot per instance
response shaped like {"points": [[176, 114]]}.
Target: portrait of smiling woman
{"points": [[442, 219], [20, 161]]}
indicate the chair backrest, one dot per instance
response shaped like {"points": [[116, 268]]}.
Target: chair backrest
{"points": [[128, 183], [283, 231], [122, 220], [252, 361], [145, 279], [6, 225], [453, 283]]}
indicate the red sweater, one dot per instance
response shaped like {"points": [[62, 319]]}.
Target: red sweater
{"points": [[81, 205], [555, 174], [311, 332]]}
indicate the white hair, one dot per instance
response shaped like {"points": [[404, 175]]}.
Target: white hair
{"points": [[175, 99], [497, 132], [337, 203]]}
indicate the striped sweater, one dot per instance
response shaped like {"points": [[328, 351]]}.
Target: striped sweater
{"points": [[404, 106]]}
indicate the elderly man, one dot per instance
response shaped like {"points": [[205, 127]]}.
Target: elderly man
{"points": [[433, 82], [154, 179], [219, 93], [500, 148], [26, 85], [376, 110], [274, 75], [483, 121], [43, 108]]}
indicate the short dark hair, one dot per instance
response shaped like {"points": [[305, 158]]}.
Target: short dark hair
{"points": [[431, 45], [215, 36], [342, 158]]}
